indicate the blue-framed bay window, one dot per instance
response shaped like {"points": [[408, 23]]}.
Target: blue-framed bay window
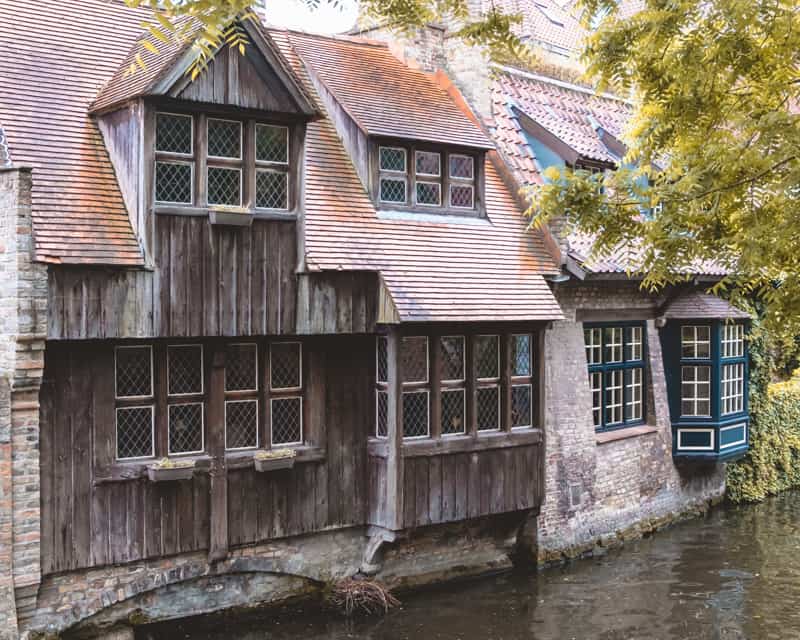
{"points": [[706, 365], [616, 358]]}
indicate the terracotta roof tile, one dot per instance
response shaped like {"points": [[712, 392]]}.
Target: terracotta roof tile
{"points": [[544, 22], [450, 270], [47, 81], [385, 96], [697, 304]]}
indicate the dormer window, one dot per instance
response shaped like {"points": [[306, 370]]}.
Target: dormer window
{"points": [[206, 161], [426, 179]]}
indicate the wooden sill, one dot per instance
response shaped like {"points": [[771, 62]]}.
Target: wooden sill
{"points": [[605, 437], [244, 459], [458, 444], [243, 212]]}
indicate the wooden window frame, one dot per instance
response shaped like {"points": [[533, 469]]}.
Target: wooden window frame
{"points": [[135, 402], [285, 393], [243, 395], [608, 369], [444, 179]]}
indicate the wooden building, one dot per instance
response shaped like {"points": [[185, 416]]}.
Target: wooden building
{"points": [[288, 307]]}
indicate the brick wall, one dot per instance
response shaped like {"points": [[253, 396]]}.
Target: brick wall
{"points": [[23, 309], [600, 494]]}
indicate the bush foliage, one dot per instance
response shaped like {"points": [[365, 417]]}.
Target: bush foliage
{"points": [[773, 462]]}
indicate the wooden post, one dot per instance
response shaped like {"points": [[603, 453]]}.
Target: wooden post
{"points": [[394, 461], [471, 373], [435, 375], [218, 547], [505, 381]]}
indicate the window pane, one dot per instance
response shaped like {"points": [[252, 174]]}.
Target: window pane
{"points": [[461, 166], [415, 414], [285, 367], [488, 399], [392, 159], [174, 182], [732, 341], [453, 411], [134, 372], [185, 364], [521, 355], [428, 163], [186, 428], [241, 424], [429, 193], [613, 397], [224, 186], [451, 349], [134, 432], [461, 196], [393, 190], [613, 344], [382, 414], [633, 343], [633, 394], [287, 420], [272, 190], [732, 388], [414, 359], [382, 360], [173, 133], [696, 341], [596, 386], [521, 396], [594, 345], [241, 367], [224, 139], [487, 356], [272, 144]]}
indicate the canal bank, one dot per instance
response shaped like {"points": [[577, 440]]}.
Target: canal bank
{"points": [[734, 573]]}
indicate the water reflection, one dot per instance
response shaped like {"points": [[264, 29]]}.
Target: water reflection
{"points": [[735, 574]]}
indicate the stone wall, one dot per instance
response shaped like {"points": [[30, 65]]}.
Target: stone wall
{"points": [[23, 310], [599, 493]]}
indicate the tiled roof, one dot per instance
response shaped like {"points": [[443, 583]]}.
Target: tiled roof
{"points": [[544, 21], [570, 113], [464, 269], [697, 304], [384, 96], [55, 56]]}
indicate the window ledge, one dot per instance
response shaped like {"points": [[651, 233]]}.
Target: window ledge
{"points": [[124, 471], [458, 444], [245, 215], [305, 453], [604, 437]]}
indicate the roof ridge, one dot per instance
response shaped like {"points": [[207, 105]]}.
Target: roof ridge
{"points": [[341, 37], [558, 83]]}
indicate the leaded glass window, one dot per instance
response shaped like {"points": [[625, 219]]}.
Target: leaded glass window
{"points": [[174, 167], [286, 400], [487, 370], [241, 396], [224, 139], [186, 402], [521, 380], [135, 411], [452, 365], [272, 167], [381, 387]]}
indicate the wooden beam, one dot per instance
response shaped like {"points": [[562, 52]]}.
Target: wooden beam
{"points": [[218, 547], [394, 461]]}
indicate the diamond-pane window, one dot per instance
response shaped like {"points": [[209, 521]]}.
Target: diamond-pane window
{"points": [[224, 139], [285, 365], [272, 144], [185, 375], [429, 193], [451, 350], [393, 190], [453, 403], [382, 360], [186, 428], [173, 182], [134, 432], [521, 396], [428, 163], [241, 424], [461, 166], [224, 186], [134, 372], [415, 414], [461, 196], [241, 367], [287, 420], [487, 356], [414, 354], [272, 189], [521, 355], [488, 400], [174, 133], [381, 413], [392, 159]]}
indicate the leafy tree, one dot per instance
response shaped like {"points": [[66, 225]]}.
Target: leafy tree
{"points": [[713, 145]]}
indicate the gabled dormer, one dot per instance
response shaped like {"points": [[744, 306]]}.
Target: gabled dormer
{"points": [[226, 144]]}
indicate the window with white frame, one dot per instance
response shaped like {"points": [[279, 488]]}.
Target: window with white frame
{"points": [[696, 390], [487, 383], [452, 356], [732, 388], [286, 393], [185, 399], [732, 340], [615, 358], [414, 367], [135, 402], [696, 341], [241, 396]]}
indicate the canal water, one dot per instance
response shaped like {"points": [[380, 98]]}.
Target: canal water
{"points": [[732, 574]]}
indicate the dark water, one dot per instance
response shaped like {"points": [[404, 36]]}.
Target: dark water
{"points": [[733, 574]]}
